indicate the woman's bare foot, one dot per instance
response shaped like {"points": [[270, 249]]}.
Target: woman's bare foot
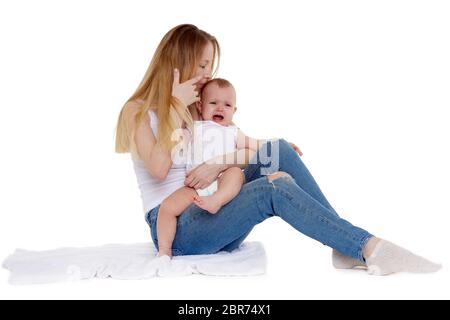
{"points": [[211, 203]]}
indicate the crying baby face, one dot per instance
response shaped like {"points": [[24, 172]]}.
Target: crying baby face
{"points": [[218, 104]]}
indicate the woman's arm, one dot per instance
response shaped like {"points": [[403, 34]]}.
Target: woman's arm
{"points": [[157, 161], [206, 173]]}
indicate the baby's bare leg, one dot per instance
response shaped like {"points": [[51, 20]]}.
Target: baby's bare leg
{"points": [[228, 186], [170, 209]]}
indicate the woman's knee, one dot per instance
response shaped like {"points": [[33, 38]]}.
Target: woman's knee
{"points": [[283, 144], [286, 148], [283, 151]]}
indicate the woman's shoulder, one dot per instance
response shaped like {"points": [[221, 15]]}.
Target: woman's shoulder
{"points": [[133, 107]]}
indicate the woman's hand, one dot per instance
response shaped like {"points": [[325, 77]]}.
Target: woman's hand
{"points": [[297, 149], [202, 176], [185, 92]]}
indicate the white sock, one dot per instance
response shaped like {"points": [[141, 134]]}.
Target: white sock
{"points": [[389, 258], [343, 262]]}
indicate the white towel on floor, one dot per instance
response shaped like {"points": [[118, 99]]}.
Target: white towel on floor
{"points": [[128, 262]]}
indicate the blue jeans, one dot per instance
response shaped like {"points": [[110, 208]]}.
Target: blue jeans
{"points": [[297, 199]]}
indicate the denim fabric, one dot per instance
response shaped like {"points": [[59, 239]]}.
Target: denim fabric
{"points": [[297, 199]]}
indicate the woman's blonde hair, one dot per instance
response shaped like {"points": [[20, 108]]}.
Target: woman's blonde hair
{"points": [[180, 48]]}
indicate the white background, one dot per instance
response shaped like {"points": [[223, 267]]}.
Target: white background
{"points": [[361, 86]]}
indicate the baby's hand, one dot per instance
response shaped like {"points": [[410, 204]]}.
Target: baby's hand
{"points": [[297, 149]]}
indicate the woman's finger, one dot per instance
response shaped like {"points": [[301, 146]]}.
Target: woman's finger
{"points": [[193, 80], [176, 77]]}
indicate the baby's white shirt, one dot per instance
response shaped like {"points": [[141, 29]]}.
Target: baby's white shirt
{"points": [[209, 140]]}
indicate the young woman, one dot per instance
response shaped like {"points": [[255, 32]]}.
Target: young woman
{"points": [[163, 103]]}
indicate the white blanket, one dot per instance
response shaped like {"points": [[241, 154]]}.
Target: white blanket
{"points": [[128, 262]]}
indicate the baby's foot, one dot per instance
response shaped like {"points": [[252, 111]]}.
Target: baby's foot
{"points": [[164, 252], [212, 204]]}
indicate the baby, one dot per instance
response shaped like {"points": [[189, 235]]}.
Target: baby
{"points": [[212, 138]]}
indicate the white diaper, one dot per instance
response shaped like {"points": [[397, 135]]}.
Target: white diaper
{"points": [[208, 190]]}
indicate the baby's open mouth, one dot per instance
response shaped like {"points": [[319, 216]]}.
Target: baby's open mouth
{"points": [[217, 117]]}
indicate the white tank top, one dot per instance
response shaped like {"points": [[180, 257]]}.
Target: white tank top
{"points": [[153, 192]]}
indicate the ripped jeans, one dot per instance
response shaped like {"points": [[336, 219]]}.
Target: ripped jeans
{"points": [[295, 198]]}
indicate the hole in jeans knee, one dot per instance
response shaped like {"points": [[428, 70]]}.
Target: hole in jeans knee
{"points": [[277, 175]]}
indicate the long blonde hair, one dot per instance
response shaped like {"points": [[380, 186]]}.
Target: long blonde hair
{"points": [[180, 48]]}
